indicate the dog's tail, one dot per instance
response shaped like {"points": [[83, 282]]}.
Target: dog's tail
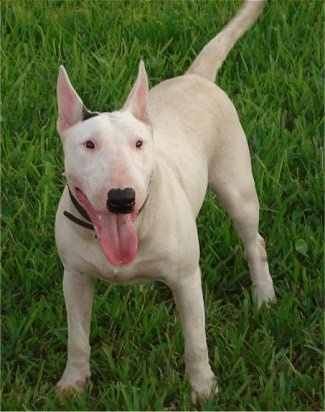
{"points": [[209, 61]]}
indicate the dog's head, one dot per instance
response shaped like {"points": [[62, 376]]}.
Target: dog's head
{"points": [[109, 163]]}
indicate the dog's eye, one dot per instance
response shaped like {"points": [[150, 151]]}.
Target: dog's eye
{"points": [[90, 144], [138, 143]]}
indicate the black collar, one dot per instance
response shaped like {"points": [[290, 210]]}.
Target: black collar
{"points": [[82, 212]]}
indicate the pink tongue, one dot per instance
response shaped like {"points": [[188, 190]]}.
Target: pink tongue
{"points": [[117, 237]]}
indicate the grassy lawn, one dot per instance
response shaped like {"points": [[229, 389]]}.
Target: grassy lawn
{"points": [[267, 360]]}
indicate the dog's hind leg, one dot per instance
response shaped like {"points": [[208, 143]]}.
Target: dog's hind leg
{"points": [[231, 177]]}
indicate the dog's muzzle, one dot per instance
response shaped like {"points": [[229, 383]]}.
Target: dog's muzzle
{"points": [[121, 200]]}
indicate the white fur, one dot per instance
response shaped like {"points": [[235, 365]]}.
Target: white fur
{"points": [[191, 137]]}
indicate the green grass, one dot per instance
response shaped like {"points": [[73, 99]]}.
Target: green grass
{"points": [[268, 360]]}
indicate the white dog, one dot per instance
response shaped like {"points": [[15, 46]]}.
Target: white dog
{"points": [[136, 179]]}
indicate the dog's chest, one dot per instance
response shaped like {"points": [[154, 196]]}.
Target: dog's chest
{"points": [[142, 270], [154, 259]]}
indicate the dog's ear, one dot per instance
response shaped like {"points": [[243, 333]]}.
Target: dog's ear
{"points": [[137, 101], [69, 103]]}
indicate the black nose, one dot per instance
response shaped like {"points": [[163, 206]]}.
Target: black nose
{"points": [[121, 200]]}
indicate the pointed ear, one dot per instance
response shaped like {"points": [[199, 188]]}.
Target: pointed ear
{"points": [[137, 101], [69, 103]]}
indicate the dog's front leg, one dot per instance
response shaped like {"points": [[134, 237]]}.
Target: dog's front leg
{"points": [[78, 295], [189, 301]]}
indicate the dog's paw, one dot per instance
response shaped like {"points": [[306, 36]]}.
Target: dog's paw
{"points": [[264, 295], [204, 389], [73, 379]]}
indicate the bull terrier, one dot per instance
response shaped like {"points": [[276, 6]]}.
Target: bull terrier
{"points": [[136, 180]]}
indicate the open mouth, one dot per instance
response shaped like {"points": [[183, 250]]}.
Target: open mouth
{"points": [[115, 231]]}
